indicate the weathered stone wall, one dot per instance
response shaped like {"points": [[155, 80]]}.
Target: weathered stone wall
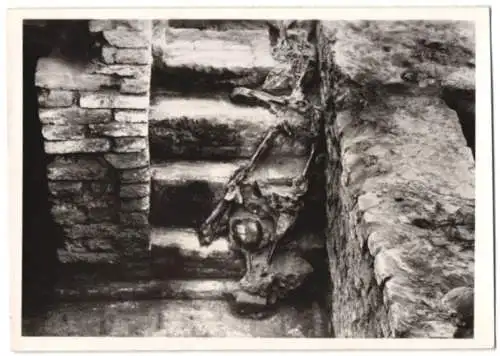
{"points": [[400, 177], [94, 117]]}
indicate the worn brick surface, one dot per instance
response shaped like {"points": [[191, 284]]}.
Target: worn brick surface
{"points": [[123, 38], [135, 56], [133, 237], [134, 86], [131, 116], [56, 73], [99, 245], [56, 98], [91, 245], [98, 199], [68, 214], [114, 55], [136, 190], [88, 145], [101, 214], [130, 144], [113, 100], [128, 160], [65, 189], [102, 25], [123, 70], [87, 257], [63, 132], [77, 169], [116, 129], [74, 116], [134, 219], [84, 231], [100, 188], [140, 204], [135, 175], [108, 54]]}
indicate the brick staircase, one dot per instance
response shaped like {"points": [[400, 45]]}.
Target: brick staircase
{"points": [[197, 138]]}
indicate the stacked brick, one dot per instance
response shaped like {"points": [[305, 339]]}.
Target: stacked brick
{"points": [[95, 126]]}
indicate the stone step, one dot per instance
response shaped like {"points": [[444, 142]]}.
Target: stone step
{"points": [[192, 59], [214, 289], [183, 193], [176, 253], [215, 128], [219, 25], [174, 318]]}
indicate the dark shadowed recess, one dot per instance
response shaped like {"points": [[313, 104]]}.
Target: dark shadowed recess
{"points": [[463, 102], [190, 81], [41, 237], [187, 205], [39, 232]]}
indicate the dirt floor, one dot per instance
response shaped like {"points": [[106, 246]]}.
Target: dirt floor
{"points": [[173, 318]]}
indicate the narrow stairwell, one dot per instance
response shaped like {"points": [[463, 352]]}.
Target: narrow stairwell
{"points": [[197, 138]]}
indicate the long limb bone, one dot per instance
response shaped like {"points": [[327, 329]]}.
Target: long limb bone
{"points": [[248, 260], [271, 251], [209, 227], [259, 97], [309, 160], [302, 178]]}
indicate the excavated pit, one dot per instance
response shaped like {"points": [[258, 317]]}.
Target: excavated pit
{"points": [[353, 291], [177, 292]]}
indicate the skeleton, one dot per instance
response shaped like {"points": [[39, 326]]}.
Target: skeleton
{"points": [[269, 209], [253, 222]]}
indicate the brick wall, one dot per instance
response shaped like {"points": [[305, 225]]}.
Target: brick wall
{"points": [[95, 128]]}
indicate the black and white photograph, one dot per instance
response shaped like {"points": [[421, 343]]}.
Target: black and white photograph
{"points": [[254, 177]]}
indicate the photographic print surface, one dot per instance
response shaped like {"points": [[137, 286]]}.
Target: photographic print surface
{"points": [[249, 178]]}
